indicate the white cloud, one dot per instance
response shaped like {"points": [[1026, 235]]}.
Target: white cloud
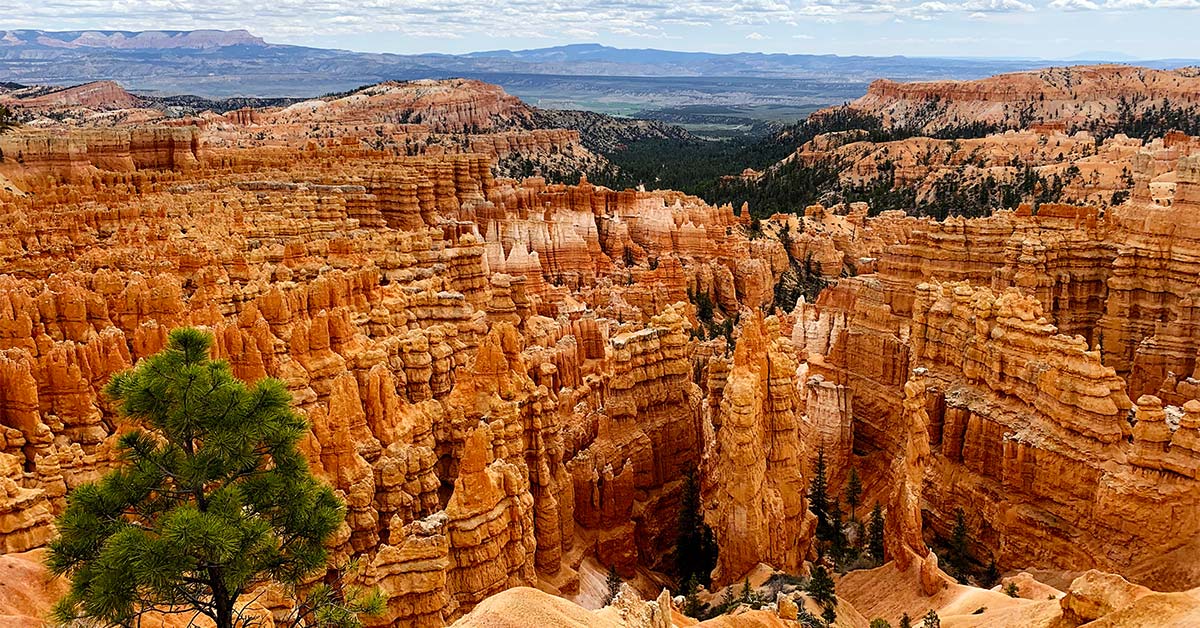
{"points": [[997, 6], [577, 20], [1075, 5], [757, 36]]}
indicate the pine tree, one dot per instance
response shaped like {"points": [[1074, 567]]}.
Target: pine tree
{"points": [[8, 122], [727, 599], [905, 622], [820, 588], [212, 499], [692, 606], [853, 493], [746, 596], [829, 614], [875, 533], [695, 551], [932, 620], [959, 556], [614, 585], [818, 496], [839, 546], [991, 575]]}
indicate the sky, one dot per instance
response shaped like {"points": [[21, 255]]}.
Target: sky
{"points": [[1048, 29]]}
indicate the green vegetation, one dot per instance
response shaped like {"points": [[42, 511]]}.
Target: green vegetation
{"points": [[820, 589], [614, 585], [932, 620], [692, 606], [800, 279], [1011, 590], [990, 576], [8, 121], [879, 622], [212, 499], [818, 494], [831, 534], [875, 528], [727, 603], [709, 168], [695, 549], [854, 491], [1150, 122], [960, 557]]}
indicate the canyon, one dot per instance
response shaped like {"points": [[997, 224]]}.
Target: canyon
{"points": [[516, 386]]}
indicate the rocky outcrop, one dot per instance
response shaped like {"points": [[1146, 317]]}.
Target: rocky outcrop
{"points": [[1068, 95], [34, 159], [101, 95], [754, 490]]}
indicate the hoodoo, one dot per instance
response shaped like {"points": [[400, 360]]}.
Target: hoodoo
{"points": [[543, 401]]}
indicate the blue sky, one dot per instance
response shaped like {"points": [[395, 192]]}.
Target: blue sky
{"points": [[1054, 29]]}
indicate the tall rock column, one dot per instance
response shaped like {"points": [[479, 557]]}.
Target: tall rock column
{"points": [[752, 489], [903, 526]]}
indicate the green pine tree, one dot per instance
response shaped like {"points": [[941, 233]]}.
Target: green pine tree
{"points": [[839, 545], [905, 622], [212, 499], [932, 620], [745, 597], [875, 534], [818, 496], [614, 585], [991, 575], [8, 121], [695, 551], [854, 491], [726, 600], [820, 588], [960, 558], [692, 606]]}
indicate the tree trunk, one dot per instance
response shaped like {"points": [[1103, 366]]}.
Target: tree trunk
{"points": [[224, 612], [222, 600]]}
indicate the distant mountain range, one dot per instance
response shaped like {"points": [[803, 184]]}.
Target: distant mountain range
{"points": [[215, 63]]}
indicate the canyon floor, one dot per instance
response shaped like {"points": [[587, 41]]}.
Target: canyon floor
{"points": [[518, 387]]}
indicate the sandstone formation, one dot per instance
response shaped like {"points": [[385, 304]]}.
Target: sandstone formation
{"points": [[497, 373], [1030, 427], [754, 493], [510, 382], [1068, 95]]}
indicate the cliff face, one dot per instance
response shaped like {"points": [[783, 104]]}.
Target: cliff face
{"points": [[458, 104], [34, 159], [1021, 361], [98, 95], [1054, 95], [1090, 173]]}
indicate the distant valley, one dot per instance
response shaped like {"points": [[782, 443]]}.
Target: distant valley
{"points": [[665, 85]]}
